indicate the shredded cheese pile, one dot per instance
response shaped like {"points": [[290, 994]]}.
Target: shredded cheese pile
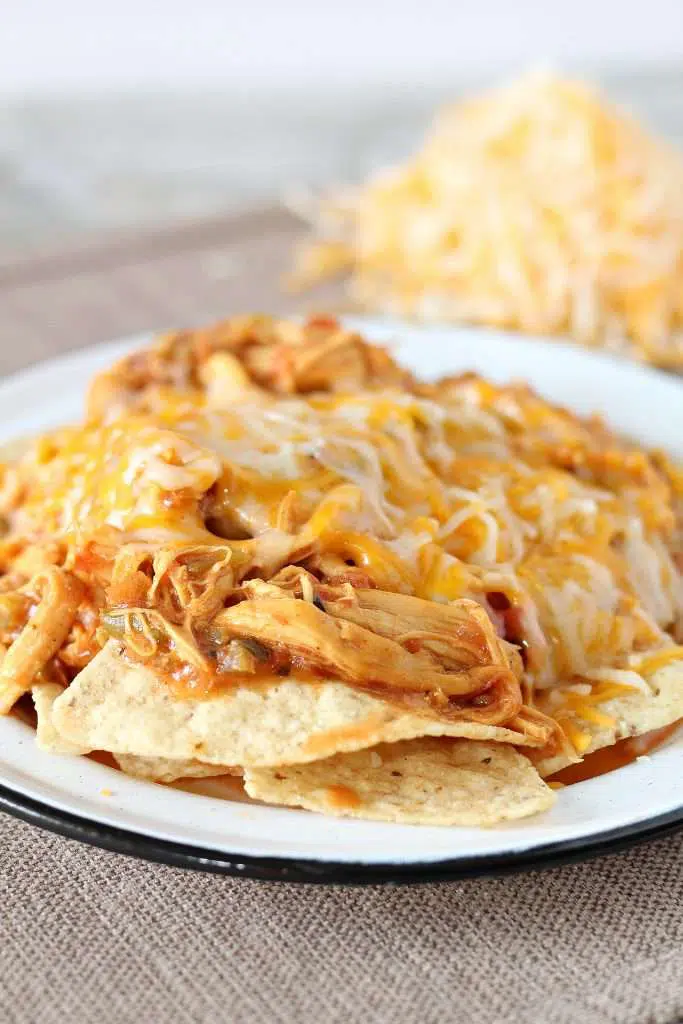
{"points": [[534, 207]]}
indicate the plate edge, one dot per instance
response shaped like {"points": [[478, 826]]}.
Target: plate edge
{"points": [[138, 845], [306, 871]]}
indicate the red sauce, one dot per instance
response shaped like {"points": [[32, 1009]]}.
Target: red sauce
{"points": [[342, 798], [103, 757], [187, 682], [324, 744], [610, 758]]}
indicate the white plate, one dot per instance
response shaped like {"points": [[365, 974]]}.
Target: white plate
{"points": [[90, 801]]}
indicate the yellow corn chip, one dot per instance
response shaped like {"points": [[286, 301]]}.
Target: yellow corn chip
{"points": [[420, 782], [166, 769], [47, 737], [116, 705], [632, 713]]}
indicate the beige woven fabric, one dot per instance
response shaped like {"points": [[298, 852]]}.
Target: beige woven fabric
{"points": [[88, 936]]}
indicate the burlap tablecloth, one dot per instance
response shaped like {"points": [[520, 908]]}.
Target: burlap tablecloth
{"points": [[89, 936]]}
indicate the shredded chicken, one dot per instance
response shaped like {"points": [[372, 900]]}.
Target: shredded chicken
{"points": [[241, 356], [360, 656], [58, 595]]}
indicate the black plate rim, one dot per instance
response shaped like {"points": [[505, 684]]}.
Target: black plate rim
{"points": [[301, 870]]}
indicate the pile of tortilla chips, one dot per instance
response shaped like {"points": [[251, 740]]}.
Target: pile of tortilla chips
{"points": [[322, 746]]}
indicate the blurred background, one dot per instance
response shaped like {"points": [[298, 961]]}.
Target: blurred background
{"points": [[121, 115]]}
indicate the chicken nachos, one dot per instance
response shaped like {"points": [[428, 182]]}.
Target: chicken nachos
{"points": [[270, 551]]}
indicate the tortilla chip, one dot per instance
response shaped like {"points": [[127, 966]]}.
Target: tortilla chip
{"points": [[117, 705], [166, 769], [47, 736], [633, 713], [418, 782]]}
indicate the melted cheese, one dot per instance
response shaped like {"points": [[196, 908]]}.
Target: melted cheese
{"points": [[651, 663], [461, 492]]}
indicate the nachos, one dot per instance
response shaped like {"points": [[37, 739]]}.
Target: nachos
{"points": [[270, 551]]}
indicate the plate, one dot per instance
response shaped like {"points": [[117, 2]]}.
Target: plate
{"points": [[91, 802]]}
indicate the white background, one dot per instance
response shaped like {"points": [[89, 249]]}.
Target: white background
{"points": [[116, 114], [62, 45]]}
